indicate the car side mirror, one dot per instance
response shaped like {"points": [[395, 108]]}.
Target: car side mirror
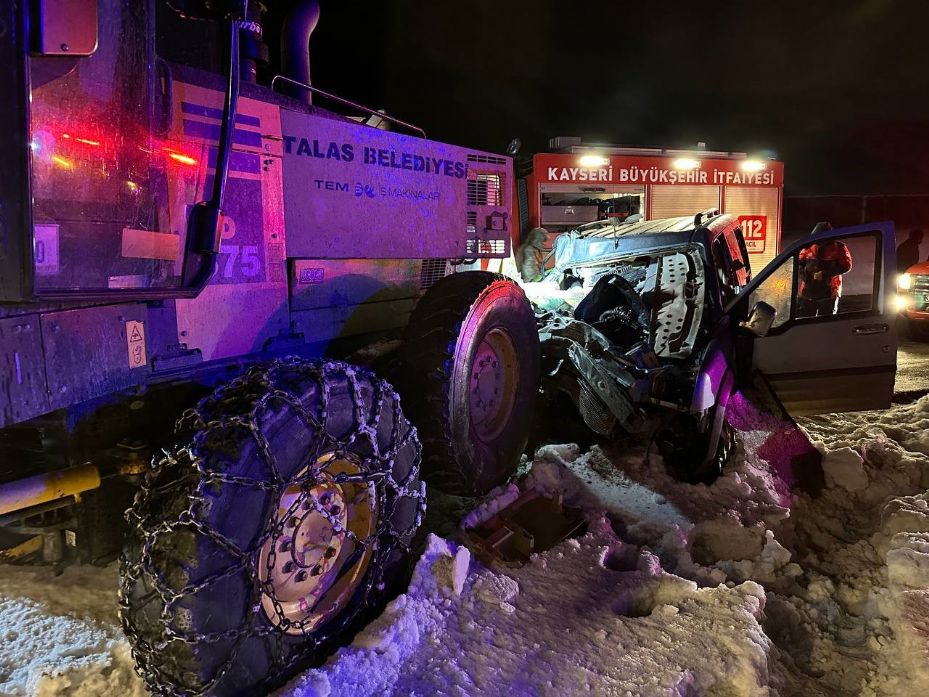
{"points": [[760, 319]]}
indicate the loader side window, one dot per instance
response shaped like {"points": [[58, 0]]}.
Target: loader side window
{"points": [[98, 171], [101, 168]]}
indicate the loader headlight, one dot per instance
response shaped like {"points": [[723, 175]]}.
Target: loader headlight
{"points": [[903, 281], [901, 302]]}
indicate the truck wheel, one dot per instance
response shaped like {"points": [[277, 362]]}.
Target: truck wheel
{"points": [[725, 448], [471, 364], [684, 447], [279, 525]]}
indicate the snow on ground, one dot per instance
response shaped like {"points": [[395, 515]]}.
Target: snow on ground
{"points": [[782, 578], [59, 635], [785, 577], [587, 618]]}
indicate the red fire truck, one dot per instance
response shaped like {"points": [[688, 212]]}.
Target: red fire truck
{"points": [[578, 183]]}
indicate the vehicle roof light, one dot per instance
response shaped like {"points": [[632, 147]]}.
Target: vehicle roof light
{"points": [[753, 166], [593, 161], [686, 163]]}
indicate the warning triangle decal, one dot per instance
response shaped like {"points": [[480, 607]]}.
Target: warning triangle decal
{"points": [[136, 335]]}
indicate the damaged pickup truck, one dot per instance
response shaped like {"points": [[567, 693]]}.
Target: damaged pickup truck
{"points": [[650, 327]]}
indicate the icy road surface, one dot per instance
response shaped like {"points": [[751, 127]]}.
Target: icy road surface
{"points": [[772, 581], [912, 368]]}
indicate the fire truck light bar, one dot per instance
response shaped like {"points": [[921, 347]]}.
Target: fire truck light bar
{"points": [[686, 163], [593, 161]]}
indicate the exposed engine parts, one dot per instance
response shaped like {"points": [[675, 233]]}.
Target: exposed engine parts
{"points": [[628, 342]]}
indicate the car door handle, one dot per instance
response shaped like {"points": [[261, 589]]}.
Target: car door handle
{"points": [[872, 329]]}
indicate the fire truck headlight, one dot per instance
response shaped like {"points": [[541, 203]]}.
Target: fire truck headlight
{"points": [[753, 166], [903, 281], [901, 302], [686, 163]]}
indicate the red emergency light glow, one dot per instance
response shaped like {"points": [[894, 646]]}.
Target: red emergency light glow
{"points": [[77, 139], [183, 159]]}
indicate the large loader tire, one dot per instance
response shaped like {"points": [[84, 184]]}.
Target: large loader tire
{"points": [[471, 367], [279, 525]]}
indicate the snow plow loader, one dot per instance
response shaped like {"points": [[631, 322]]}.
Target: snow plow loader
{"points": [[190, 246]]}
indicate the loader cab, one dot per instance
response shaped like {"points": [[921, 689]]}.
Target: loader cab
{"points": [[92, 201]]}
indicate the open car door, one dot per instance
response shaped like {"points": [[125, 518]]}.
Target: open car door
{"points": [[832, 346]]}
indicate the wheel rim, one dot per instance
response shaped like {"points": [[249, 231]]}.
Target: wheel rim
{"points": [[492, 384], [318, 553]]}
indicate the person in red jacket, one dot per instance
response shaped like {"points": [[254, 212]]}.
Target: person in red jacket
{"points": [[821, 268]]}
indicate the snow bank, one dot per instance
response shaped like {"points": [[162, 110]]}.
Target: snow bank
{"points": [[800, 571], [796, 573], [589, 617]]}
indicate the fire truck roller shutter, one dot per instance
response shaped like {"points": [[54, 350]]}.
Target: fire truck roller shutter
{"points": [[471, 375], [671, 201]]}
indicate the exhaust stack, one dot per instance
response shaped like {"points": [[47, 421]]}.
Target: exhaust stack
{"points": [[295, 47]]}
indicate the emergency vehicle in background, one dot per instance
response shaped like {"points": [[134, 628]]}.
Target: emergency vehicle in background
{"points": [[913, 300], [578, 183]]}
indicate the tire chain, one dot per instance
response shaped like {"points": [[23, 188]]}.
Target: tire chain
{"points": [[239, 390]]}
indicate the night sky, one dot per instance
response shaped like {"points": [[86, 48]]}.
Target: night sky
{"points": [[838, 90]]}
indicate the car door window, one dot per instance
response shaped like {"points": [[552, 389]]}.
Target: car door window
{"points": [[731, 270], [778, 291], [739, 255], [831, 278]]}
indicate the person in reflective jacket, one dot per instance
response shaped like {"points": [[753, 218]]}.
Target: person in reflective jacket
{"points": [[821, 268], [530, 255]]}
